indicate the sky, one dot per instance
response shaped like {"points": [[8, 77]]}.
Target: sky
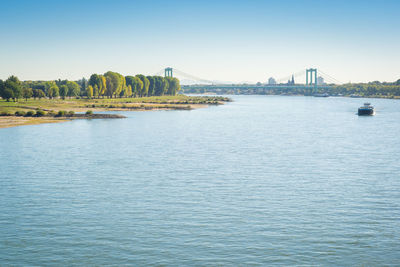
{"points": [[235, 41]]}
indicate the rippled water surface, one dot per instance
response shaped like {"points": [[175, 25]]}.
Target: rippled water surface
{"points": [[260, 181]]}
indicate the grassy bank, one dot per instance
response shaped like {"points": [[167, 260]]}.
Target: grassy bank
{"points": [[56, 110]]}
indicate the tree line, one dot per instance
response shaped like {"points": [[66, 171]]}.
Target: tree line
{"points": [[376, 89], [110, 84], [371, 89]]}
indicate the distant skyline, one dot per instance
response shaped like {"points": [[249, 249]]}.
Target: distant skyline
{"points": [[236, 41]]}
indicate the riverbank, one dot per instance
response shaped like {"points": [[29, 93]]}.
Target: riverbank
{"points": [[256, 92], [12, 121], [58, 110]]}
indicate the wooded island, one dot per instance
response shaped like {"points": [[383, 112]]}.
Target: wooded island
{"points": [[33, 102]]}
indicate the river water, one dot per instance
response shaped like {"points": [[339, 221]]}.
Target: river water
{"points": [[263, 180]]}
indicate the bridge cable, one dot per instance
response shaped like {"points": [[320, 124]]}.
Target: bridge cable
{"points": [[330, 77], [195, 78]]}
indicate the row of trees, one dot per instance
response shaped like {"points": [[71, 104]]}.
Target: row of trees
{"points": [[110, 84], [14, 89], [113, 84], [371, 89]]}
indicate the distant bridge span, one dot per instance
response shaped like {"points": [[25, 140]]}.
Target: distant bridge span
{"points": [[254, 86], [311, 81]]}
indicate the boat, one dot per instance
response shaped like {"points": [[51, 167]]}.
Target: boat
{"points": [[366, 110], [355, 96], [321, 95]]}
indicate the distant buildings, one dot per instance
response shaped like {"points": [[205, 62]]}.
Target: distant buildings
{"points": [[291, 82], [271, 81], [320, 80]]}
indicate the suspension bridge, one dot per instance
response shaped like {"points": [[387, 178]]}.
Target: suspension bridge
{"points": [[314, 79]]}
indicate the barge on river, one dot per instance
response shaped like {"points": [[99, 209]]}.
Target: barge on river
{"points": [[366, 110]]}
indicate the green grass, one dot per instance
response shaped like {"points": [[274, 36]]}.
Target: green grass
{"points": [[178, 99], [165, 102]]}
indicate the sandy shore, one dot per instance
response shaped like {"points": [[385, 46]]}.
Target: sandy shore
{"points": [[12, 121]]}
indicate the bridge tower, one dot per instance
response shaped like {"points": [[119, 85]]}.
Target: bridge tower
{"points": [[309, 74], [168, 72]]}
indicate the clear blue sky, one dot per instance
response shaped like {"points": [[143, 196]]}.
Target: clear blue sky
{"points": [[217, 40]]}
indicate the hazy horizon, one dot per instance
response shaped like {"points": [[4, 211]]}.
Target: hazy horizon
{"points": [[225, 40]]}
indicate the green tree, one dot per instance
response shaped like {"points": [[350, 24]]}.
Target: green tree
{"points": [[109, 86], [165, 85], [129, 80], [1, 88], [159, 85], [96, 91], [146, 83], [134, 83], [64, 91], [122, 86], [53, 91], [27, 93], [94, 80], [128, 91], [7, 94], [113, 83], [56, 91], [152, 81], [177, 85], [173, 86], [103, 87], [38, 93], [98, 84], [15, 86], [89, 91], [14, 79], [138, 86], [35, 93], [73, 89], [83, 84], [47, 90]]}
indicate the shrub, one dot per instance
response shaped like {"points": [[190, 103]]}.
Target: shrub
{"points": [[4, 113], [51, 113], [20, 113], [40, 113], [89, 112], [29, 113], [61, 113], [70, 113]]}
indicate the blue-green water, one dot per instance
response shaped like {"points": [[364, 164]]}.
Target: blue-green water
{"points": [[260, 181]]}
